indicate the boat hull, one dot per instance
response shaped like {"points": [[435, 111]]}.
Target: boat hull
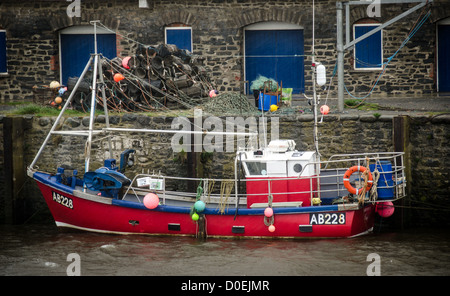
{"points": [[75, 209]]}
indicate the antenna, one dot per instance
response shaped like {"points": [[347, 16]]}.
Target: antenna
{"points": [[313, 67]]}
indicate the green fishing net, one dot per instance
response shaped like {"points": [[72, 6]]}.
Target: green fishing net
{"points": [[230, 103]]}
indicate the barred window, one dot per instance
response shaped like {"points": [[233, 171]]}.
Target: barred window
{"points": [[180, 35], [368, 53]]}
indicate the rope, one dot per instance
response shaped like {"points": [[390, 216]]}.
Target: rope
{"points": [[225, 190], [365, 175], [210, 188], [197, 197], [199, 191], [373, 190], [149, 97], [417, 25]]}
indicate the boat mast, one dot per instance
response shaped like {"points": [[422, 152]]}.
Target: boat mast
{"points": [[97, 71], [93, 101], [316, 138], [55, 124]]}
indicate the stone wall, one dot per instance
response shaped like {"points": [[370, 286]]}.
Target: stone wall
{"points": [[33, 42], [429, 152], [430, 155]]}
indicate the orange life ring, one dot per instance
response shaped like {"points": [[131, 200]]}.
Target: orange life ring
{"points": [[349, 172]]}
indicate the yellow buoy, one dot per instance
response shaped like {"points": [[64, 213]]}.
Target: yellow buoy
{"points": [[273, 108]]}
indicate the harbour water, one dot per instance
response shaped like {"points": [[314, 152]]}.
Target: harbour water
{"points": [[35, 250]]}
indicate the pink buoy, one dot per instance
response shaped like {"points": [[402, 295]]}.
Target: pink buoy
{"points": [[125, 62], [385, 209], [271, 228], [212, 93], [268, 212], [151, 201], [324, 109]]}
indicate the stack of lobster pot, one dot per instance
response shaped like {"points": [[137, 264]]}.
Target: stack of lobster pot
{"points": [[154, 76], [158, 71]]}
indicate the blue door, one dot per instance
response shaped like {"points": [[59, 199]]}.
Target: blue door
{"points": [[76, 50], [276, 54], [444, 58], [3, 65]]}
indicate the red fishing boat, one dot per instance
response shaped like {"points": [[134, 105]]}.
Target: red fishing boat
{"points": [[277, 191], [286, 197]]}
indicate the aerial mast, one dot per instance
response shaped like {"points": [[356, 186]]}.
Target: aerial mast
{"points": [[316, 132]]}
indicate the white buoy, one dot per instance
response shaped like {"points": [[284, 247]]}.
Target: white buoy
{"points": [[321, 75]]}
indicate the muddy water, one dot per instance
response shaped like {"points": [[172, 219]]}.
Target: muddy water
{"points": [[33, 250]]}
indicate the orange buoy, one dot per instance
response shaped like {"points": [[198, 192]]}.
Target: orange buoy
{"points": [[118, 77], [349, 172]]}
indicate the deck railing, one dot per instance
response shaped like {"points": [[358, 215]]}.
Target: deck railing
{"points": [[387, 169]]}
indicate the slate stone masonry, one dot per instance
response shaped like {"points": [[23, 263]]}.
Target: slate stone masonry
{"points": [[429, 151], [33, 42]]}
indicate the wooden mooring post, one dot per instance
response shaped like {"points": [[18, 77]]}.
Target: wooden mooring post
{"points": [[400, 130], [12, 203]]}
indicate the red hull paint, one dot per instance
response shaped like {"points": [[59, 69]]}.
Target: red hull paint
{"points": [[288, 225], [279, 188], [97, 216]]}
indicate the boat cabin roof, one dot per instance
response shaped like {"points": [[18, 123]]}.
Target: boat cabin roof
{"points": [[278, 159]]}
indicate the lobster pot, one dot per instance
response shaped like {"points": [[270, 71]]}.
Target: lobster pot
{"points": [[193, 91], [181, 82], [140, 72], [83, 86], [385, 184]]}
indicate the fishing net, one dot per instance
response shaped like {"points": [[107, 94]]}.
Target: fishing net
{"points": [[162, 77], [258, 83], [230, 103], [153, 78]]}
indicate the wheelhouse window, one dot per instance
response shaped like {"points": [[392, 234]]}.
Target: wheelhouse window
{"points": [[3, 64], [180, 35], [368, 53], [255, 168]]}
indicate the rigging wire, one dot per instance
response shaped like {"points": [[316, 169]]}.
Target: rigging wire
{"points": [[417, 25], [175, 95]]}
